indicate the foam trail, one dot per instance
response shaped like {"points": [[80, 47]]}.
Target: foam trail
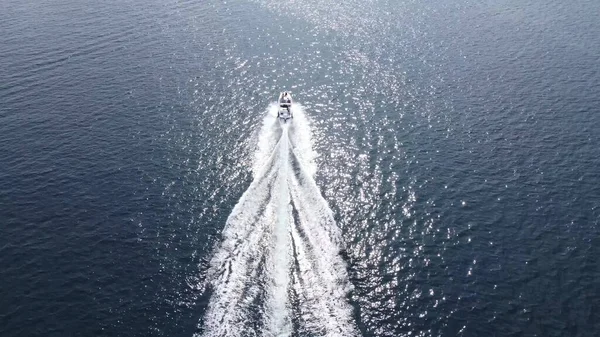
{"points": [[280, 241], [278, 319]]}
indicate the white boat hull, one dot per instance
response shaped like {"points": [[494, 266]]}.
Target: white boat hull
{"points": [[285, 107]]}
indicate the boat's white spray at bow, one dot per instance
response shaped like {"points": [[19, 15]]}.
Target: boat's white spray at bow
{"points": [[278, 268]]}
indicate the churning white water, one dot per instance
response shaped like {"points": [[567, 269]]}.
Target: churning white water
{"points": [[278, 268]]}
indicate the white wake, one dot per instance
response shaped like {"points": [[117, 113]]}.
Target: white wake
{"points": [[278, 268]]}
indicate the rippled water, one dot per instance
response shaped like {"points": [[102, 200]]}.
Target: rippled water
{"points": [[454, 146]]}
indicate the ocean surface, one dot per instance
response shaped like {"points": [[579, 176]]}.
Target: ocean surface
{"points": [[441, 176]]}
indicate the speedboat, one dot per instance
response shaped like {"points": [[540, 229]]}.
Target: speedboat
{"points": [[285, 106]]}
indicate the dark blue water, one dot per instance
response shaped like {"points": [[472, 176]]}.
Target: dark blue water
{"points": [[455, 146]]}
